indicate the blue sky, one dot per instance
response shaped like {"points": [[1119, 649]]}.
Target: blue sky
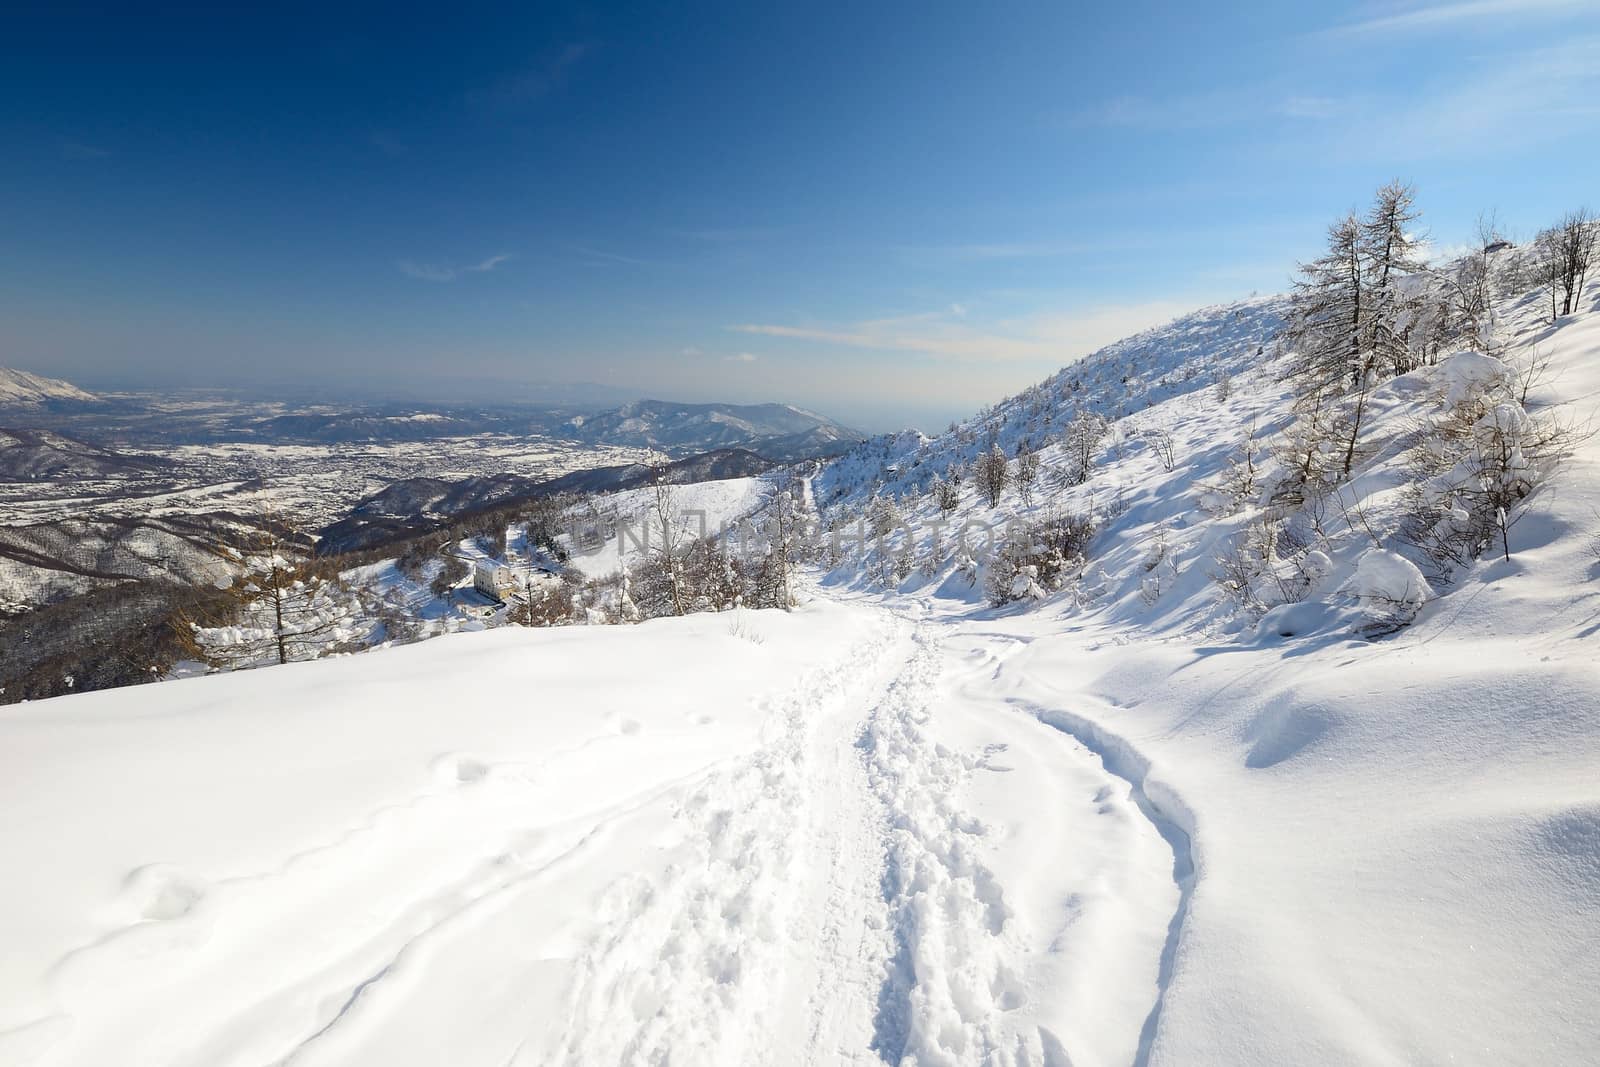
{"points": [[890, 212]]}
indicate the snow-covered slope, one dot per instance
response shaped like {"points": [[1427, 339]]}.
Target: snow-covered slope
{"points": [[1146, 817], [20, 387], [778, 431], [1178, 359], [1386, 852], [613, 528], [26, 455], [416, 855], [1395, 845]]}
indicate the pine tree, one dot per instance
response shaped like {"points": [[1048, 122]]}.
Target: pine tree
{"points": [[283, 609], [1329, 316], [1390, 249]]}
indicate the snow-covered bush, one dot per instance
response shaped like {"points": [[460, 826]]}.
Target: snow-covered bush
{"points": [[1027, 472], [1269, 563], [1307, 459], [1161, 444], [1478, 463], [1237, 485], [882, 517], [1390, 587], [548, 601], [286, 612], [1035, 558]]}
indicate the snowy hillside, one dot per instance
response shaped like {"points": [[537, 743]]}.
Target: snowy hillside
{"points": [[20, 387], [778, 431], [1228, 755], [1178, 359], [704, 508], [27, 455]]}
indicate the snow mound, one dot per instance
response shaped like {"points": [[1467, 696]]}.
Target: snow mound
{"points": [[1466, 375], [1384, 577]]}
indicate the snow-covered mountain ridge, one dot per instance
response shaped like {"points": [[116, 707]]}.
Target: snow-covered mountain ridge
{"points": [[21, 387], [1181, 357], [778, 431]]}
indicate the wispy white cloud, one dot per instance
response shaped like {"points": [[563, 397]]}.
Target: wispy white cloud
{"points": [[534, 82], [77, 150], [1311, 107], [1209, 109], [1049, 337], [740, 357], [387, 143], [729, 234], [597, 255], [1510, 98], [445, 272], [1434, 16], [982, 252], [1510, 101]]}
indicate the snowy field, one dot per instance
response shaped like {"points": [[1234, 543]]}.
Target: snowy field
{"points": [[1122, 823], [853, 834]]}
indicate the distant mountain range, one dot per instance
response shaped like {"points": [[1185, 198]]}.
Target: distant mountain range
{"points": [[415, 505], [779, 432], [29, 455], [20, 387]]}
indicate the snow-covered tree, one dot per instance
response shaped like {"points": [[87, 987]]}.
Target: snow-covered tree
{"points": [[992, 472], [543, 600], [1390, 248], [1027, 472], [1351, 323], [1328, 318], [784, 523], [882, 517], [667, 524], [283, 607], [1080, 442], [1567, 251]]}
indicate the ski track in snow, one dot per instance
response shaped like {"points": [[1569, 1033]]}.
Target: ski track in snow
{"points": [[691, 967], [1170, 817], [829, 899], [948, 981], [967, 976]]}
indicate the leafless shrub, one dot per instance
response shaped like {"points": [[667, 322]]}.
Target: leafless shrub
{"points": [[1079, 444], [1472, 475], [1239, 482], [1027, 472], [1162, 445], [992, 473], [1035, 558]]}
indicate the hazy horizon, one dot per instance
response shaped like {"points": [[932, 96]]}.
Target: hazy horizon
{"points": [[504, 393], [891, 216]]}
